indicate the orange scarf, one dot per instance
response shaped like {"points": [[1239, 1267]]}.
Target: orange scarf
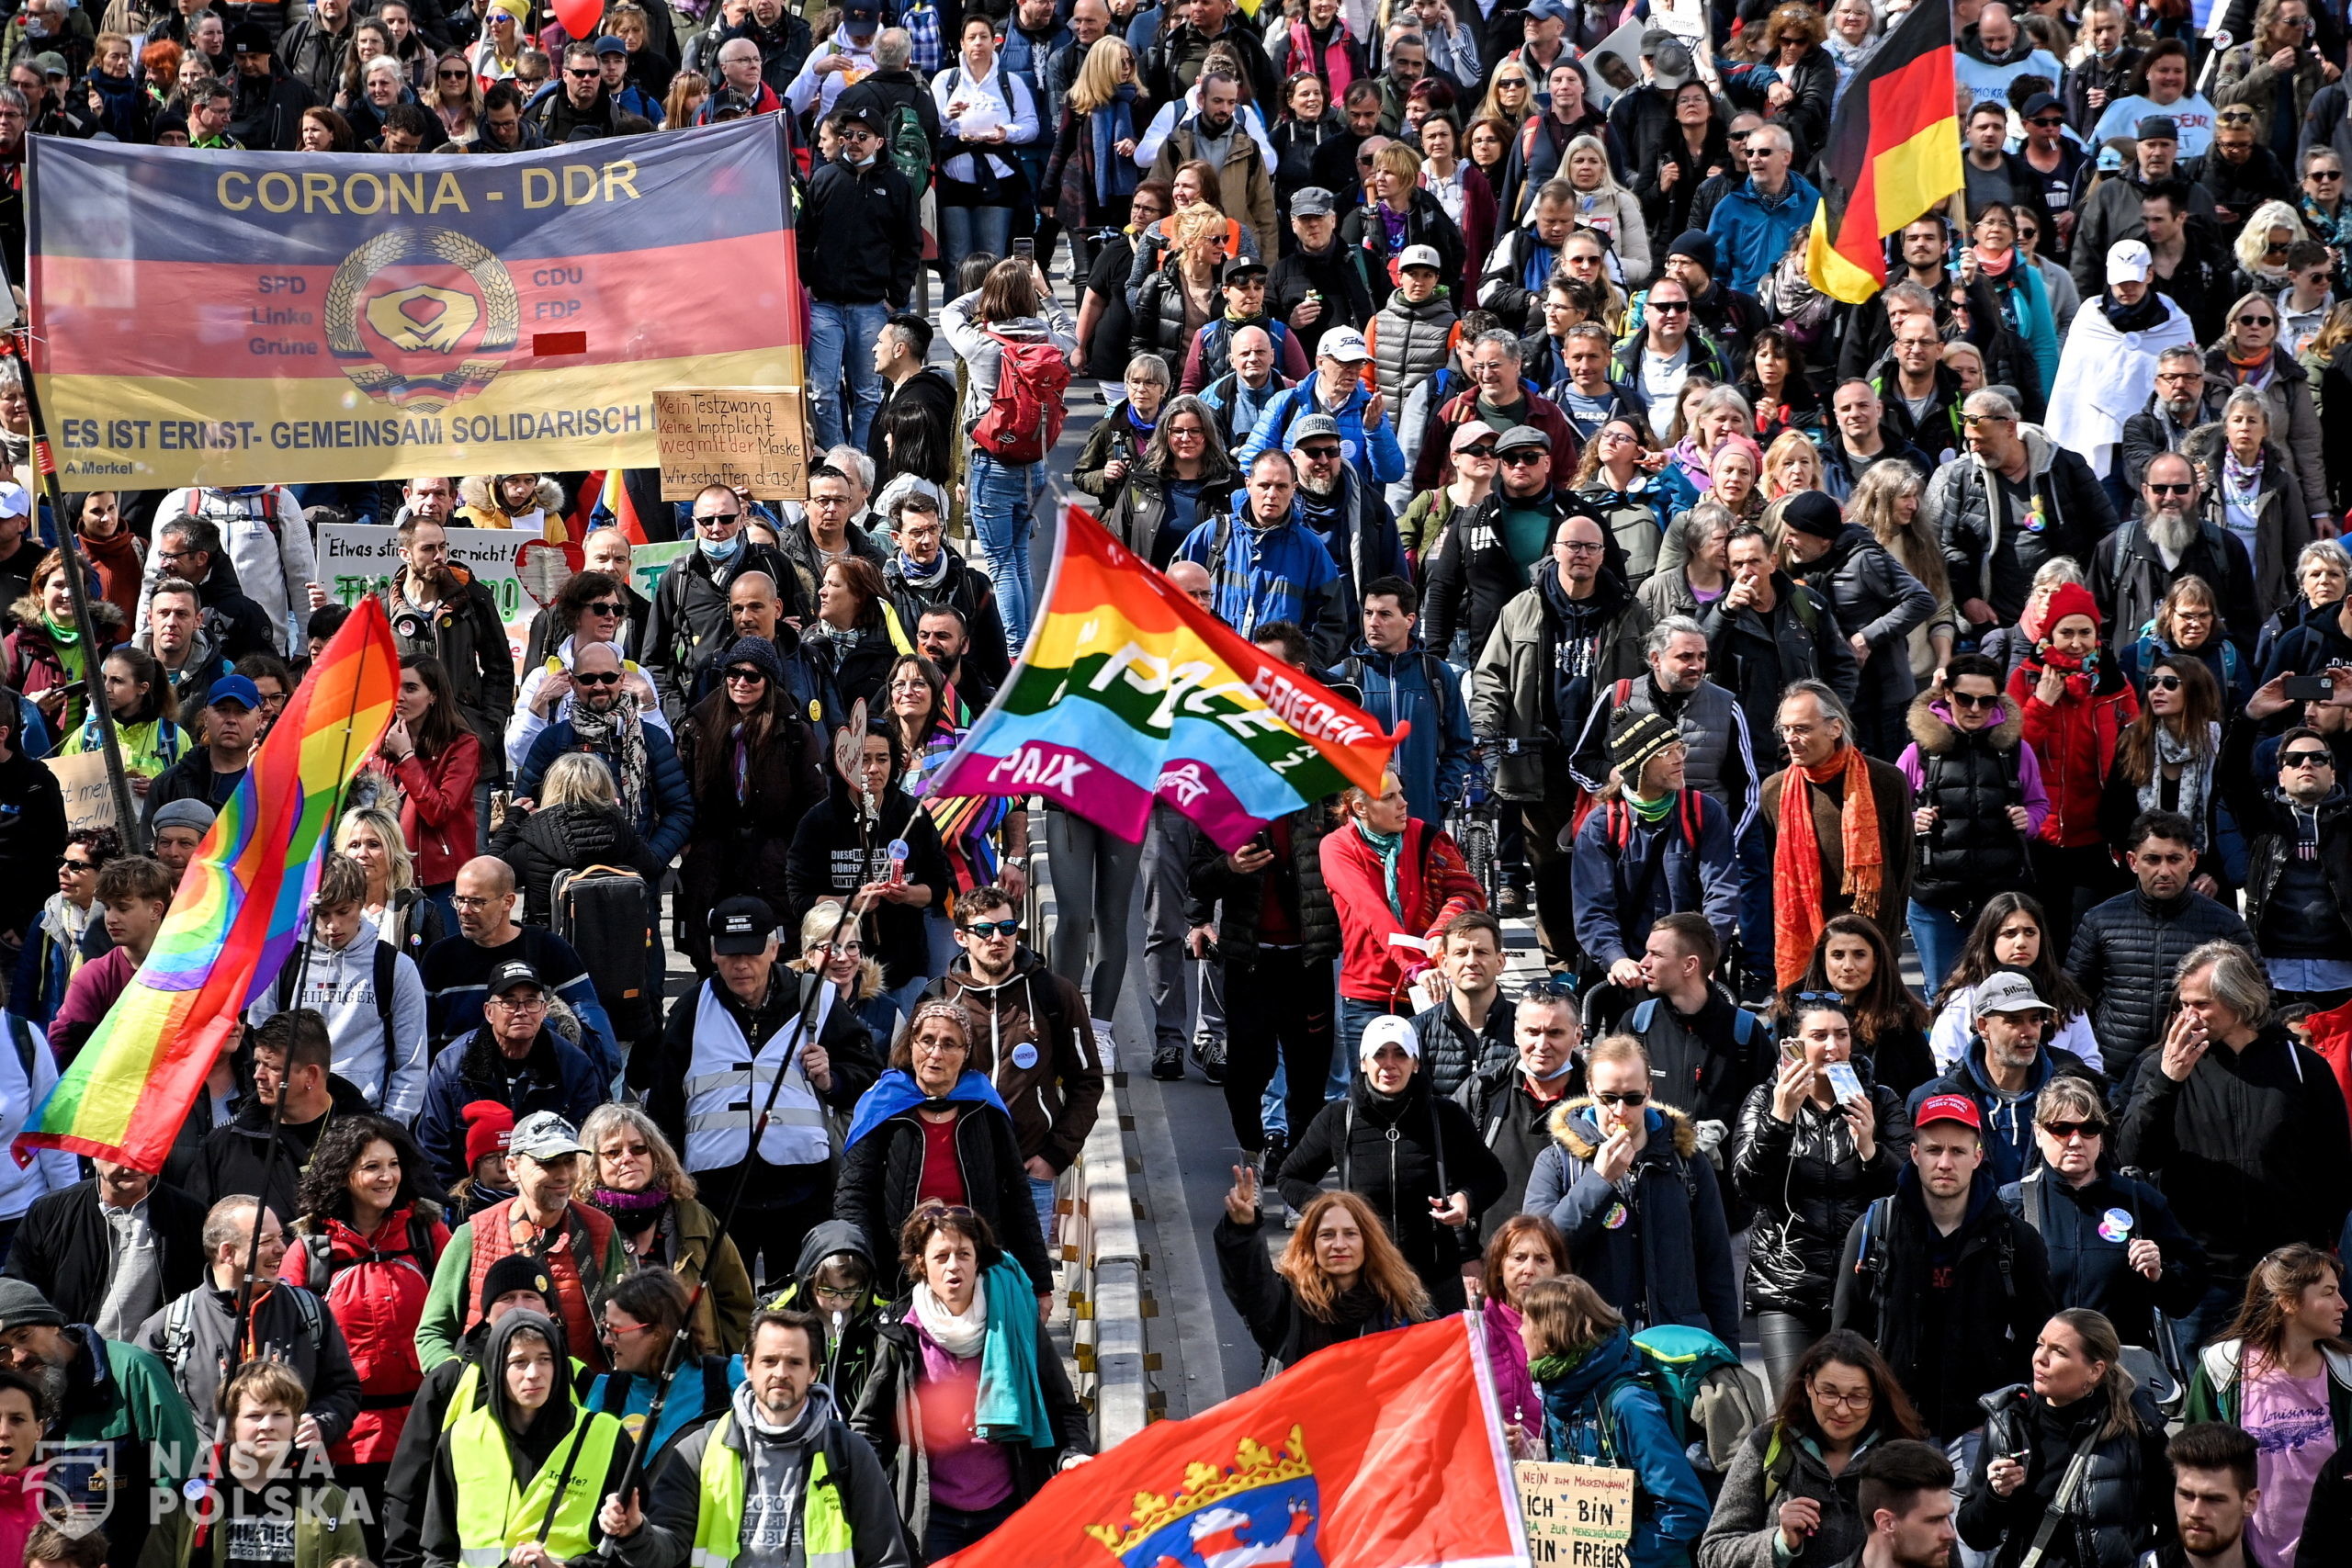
{"points": [[1797, 917]]}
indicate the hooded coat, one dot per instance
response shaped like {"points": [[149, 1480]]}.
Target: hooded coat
{"points": [[1603, 1411], [1809, 1184], [1052, 1092], [339, 983], [1655, 1243], [851, 1344]]}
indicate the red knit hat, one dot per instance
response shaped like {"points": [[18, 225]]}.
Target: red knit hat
{"points": [[488, 1126], [2072, 599]]}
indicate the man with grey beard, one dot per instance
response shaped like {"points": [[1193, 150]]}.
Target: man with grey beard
{"points": [[117, 1426], [2135, 565]]}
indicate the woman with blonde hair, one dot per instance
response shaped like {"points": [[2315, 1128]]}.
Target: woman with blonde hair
{"points": [[1092, 176], [1510, 96], [680, 105], [1398, 216], [856, 978], [2261, 247], [403, 916], [1599, 1409], [1607, 207], [638, 1181], [1886, 500], [457, 99], [2251, 490], [1340, 1276], [1792, 464]]}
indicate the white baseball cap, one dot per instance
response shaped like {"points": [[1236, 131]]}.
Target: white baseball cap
{"points": [[1347, 345], [2128, 261], [1418, 255], [1388, 1030]]}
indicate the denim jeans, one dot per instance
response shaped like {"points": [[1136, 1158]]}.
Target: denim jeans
{"points": [[1004, 497], [841, 342], [1353, 1016], [1041, 1193], [1938, 936], [963, 229]]}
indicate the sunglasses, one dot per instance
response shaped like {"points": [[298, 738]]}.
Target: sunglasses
{"points": [[2049, 121], [719, 519], [1669, 307], [457, 76], [1971, 701], [2164, 682], [596, 678], [2061, 1131], [578, 75], [2262, 320], [2157, 488], [70, 864], [2306, 760], [604, 607], [1632, 1097], [994, 927], [1319, 450], [1484, 449], [2324, 174], [1524, 458], [752, 677]]}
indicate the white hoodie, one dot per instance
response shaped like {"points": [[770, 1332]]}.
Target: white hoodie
{"points": [[340, 983], [42, 1172]]}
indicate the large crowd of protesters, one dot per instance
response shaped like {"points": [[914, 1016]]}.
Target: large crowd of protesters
{"points": [[1915, 730]]}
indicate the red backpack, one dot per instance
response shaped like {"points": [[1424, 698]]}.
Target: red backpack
{"points": [[1024, 417]]}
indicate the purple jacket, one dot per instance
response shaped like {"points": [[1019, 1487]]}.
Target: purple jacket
{"points": [[1515, 1394], [2037, 799]]}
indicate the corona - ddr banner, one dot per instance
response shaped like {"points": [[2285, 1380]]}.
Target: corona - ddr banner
{"points": [[247, 318]]}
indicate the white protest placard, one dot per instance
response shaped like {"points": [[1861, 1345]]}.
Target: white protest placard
{"points": [[1578, 1515], [89, 803], [358, 558]]}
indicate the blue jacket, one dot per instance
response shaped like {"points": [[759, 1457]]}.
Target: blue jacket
{"points": [[1669, 1249], [2009, 1150], [669, 813], [1376, 454], [1751, 232], [556, 1077], [1283, 573], [1625, 877], [1434, 759], [1602, 1412]]}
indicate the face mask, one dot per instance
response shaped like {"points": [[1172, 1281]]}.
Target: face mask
{"points": [[718, 549]]}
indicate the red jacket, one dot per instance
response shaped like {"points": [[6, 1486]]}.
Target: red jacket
{"points": [[437, 811], [1433, 884], [375, 1286], [2075, 744]]}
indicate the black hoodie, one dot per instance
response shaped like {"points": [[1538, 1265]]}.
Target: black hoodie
{"points": [[849, 1348]]}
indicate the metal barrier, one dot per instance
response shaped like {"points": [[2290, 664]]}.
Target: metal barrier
{"points": [[1106, 1276]]}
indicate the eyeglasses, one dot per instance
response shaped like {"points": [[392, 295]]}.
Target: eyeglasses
{"points": [[994, 927], [847, 1294], [1838, 1400], [1632, 1097], [1669, 307], [596, 678], [2164, 682], [745, 677], [2306, 760], [2157, 488], [466, 901], [1971, 700], [532, 1003], [1577, 548], [2261, 321], [2062, 1130], [2049, 121]]}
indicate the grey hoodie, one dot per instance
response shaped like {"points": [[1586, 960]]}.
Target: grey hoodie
{"points": [[340, 985]]}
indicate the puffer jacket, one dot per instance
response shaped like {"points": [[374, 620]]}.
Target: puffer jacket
{"points": [[1410, 343], [2124, 955], [1877, 599], [2075, 742], [1513, 698], [1364, 236], [541, 845], [1809, 1185], [1399, 1152], [1655, 1244], [1213, 879], [1989, 559], [1971, 779], [1156, 326], [374, 1285], [2120, 1507]]}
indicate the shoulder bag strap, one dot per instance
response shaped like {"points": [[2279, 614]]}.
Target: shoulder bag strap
{"points": [[2069, 1485]]}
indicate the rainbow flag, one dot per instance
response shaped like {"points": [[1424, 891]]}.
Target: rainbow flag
{"points": [[238, 914], [1128, 691]]}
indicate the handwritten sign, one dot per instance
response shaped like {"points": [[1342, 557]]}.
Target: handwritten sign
{"points": [[358, 558], [88, 802], [754, 440], [1578, 1515]]}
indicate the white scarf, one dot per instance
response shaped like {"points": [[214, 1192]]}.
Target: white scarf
{"points": [[2104, 378], [960, 1337]]}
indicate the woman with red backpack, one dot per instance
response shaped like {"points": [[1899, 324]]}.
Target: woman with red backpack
{"points": [[367, 1240]]}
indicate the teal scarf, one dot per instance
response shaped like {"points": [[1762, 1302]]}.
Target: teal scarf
{"points": [[1388, 847], [1010, 1407]]}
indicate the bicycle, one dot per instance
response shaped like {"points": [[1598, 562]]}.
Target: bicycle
{"points": [[1473, 822]]}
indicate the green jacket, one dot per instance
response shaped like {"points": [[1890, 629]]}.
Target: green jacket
{"points": [[2213, 1387], [324, 1530]]}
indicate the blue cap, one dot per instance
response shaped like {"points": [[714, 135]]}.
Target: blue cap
{"points": [[232, 689], [1546, 11], [608, 44]]}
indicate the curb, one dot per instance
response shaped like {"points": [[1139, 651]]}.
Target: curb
{"points": [[1106, 1276]]}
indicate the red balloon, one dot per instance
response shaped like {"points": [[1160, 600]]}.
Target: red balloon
{"points": [[581, 18]]}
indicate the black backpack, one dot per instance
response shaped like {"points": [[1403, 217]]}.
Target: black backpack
{"points": [[386, 973]]}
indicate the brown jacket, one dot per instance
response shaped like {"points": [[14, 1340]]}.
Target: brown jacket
{"points": [[1033, 1039], [1891, 793]]}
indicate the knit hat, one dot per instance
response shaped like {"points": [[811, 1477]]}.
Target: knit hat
{"points": [[23, 1306], [760, 655], [184, 813], [2072, 599], [1811, 512], [517, 1271], [488, 1126], [1699, 245], [1635, 738]]}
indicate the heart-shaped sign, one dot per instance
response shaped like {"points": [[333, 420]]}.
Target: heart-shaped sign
{"points": [[543, 568], [847, 743]]}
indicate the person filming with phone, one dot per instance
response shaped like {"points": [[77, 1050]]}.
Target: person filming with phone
{"points": [[2297, 827]]}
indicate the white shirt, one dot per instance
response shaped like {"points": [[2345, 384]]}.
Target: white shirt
{"points": [[1163, 125], [985, 106], [1662, 379]]}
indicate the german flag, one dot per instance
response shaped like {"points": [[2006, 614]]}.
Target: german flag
{"points": [[1894, 151]]}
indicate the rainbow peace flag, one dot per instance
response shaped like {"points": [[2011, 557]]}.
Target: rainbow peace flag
{"points": [[1128, 691], [238, 914]]}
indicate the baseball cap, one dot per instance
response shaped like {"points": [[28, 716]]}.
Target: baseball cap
{"points": [[232, 689], [1244, 266], [861, 16], [1949, 1108], [16, 501], [1346, 344], [513, 973], [1520, 436], [2157, 128], [608, 44], [542, 1135], [1671, 66], [1469, 434], [1312, 425], [2040, 103], [1388, 1030], [1312, 201], [2008, 991], [48, 63], [1420, 256], [739, 926], [1546, 11], [865, 118], [2128, 261]]}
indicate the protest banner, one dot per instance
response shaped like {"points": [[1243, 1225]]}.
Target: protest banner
{"points": [[88, 802], [222, 317], [1578, 1515], [748, 438]]}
